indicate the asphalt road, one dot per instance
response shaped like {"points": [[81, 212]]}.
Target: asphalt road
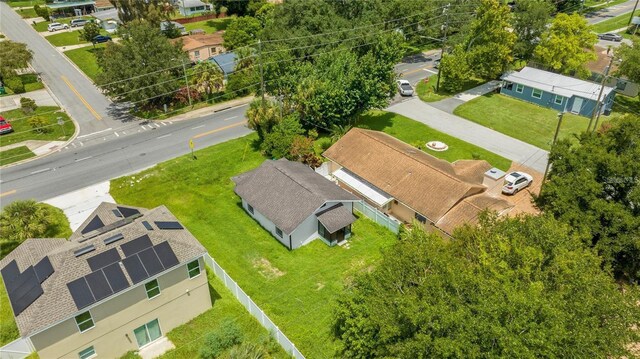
{"points": [[610, 12], [76, 93]]}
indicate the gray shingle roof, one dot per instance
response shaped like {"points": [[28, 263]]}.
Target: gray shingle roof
{"points": [[287, 192], [336, 217], [56, 303]]}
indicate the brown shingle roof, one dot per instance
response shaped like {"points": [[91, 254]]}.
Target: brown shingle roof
{"points": [[467, 211], [56, 303], [428, 185], [335, 217], [198, 41]]}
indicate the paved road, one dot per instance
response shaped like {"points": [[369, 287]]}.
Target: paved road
{"points": [[78, 96], [113, 153], [609, 12]]}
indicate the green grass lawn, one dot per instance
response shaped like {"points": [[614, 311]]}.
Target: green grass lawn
{"points": [[426, 89], [189, 338], [23, 131], [614, 23], [27, 13], [25, 3], [416, 133], [297, 289], [30, 82], [66, 38], [85, 59], [15, 155], [209, 26], [519, 119]]}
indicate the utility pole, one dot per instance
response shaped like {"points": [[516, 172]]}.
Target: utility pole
{"points": [[261, 70], [633, 12], [186, 81], [444, 42], [596, 109], [555, 139]]}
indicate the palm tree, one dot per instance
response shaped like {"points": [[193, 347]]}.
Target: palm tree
{"points": [[21, 220], [208, 78], [337, 131]]}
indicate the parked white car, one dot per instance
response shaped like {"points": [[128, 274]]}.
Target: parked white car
{"points": [[515, 181], [55, 26], [405, 88]]}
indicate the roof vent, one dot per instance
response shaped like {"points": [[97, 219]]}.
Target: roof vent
{"points": [[112, 239], [84, 250]]}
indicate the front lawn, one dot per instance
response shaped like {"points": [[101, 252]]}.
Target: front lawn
{"points": [[209, 26], [30, 83], [27, 13], [297, 289], [22, 129], [614, 23], [15, 155], [418, 134], [70, 38], [25, 3], [426, 89], [42, 26], [519, 119], [85, 59]]}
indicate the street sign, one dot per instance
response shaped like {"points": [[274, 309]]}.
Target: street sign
{"points": [[191, 144]]}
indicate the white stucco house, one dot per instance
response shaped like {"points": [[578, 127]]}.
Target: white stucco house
{"points": [[192, 7]]}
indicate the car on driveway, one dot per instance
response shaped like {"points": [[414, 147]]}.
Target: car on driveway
{"points": [[100, 39], [515, 181], [610, 37], [78, 22], [55, 26], [405, 88], [5, 127]]}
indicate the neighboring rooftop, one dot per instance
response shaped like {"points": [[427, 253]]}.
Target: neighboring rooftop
{"points": [[288, 192], [198, 41], [555, 83], [49, 280], [226, 61], [191, 3], [165, 25]]}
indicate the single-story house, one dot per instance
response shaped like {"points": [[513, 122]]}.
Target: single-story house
{"points": [[103, 5], [559, 92], [226, 61], [597, 68], [192, 7], [409, 185], [295, 204], [202, 46], [108, 19], [125, 278], [71, 7]]}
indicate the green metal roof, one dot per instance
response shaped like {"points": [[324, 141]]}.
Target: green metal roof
{"points": [[62, 5]]}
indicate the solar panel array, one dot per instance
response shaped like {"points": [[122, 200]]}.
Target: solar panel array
{"points": [[128, 212], [24, 288], [168, 225], [144, 260], [94, 224], [97, 285]]}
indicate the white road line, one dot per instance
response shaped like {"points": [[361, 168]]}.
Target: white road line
{"points": [[143, 128], [194, 128], [124, 132], [74, 145], [230, 118], [163, 123], [40, 171], [433, 72], [91, 134], [163, 136], [117, 135], [170, 122], [157, 126], [84, 158], [81, 144]]}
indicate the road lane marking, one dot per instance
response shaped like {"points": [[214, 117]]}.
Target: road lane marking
{"points": [[219, 129], [124, 132], [164, 136], [201, 126], [93, 112], [74, 145], [413, 71], [40, 171], [7, 193], [117, 135], [433, 72], [84, 158], [163, 123], [230, 118], [81, 144], [95, 133]]}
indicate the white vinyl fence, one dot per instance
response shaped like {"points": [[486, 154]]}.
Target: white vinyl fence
{"points": [[253, 308], [17, 349], [377, 216]]}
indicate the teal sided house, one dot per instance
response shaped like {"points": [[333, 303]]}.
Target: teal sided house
{"points": [[559, 92]]}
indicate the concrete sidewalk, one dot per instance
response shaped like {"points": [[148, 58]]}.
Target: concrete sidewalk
{"points": [[449, 104], [210, 109], [78, 205], [496, 142], [42, 98]]}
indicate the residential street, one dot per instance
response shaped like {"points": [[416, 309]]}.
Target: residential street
{"points": [[609, 12]]}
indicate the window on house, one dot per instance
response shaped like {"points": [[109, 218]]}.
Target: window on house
{"points": [[193, 268], [536, 93], [420, 218], [519, 88], [152, 288], [249, 208], [558, 100], [508, 85], [279, 232], [88, 353], [196, 53], [84, 321]]}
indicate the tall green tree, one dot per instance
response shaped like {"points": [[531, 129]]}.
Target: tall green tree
{"points": [[277, 143], [490, 40], [262, 116], [630, 61], [153, 11], [530, 18], [207, 78], [513, 288], [242, 31], [455, 70], [13, 56], [594, 187], [89, 31], [567, 45], [139, 68]]}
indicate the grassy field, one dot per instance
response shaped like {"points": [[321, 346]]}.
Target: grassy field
{"points": [[23, 131], [209, 26], [189, 337], [15, 155], [416, 133], [615, 23], [27, 13], [85, 59], [65, 38], [30, 82], [519, 119], [426, 89], [25, 3]]}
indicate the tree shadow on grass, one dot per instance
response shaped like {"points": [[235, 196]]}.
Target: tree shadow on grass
{"points": [[377, 121], [220, 24]]}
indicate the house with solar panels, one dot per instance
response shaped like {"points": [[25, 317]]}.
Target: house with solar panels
{"points": [[124, 278]]}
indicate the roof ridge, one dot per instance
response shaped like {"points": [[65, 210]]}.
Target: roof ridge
{"points": [[293, 179]]}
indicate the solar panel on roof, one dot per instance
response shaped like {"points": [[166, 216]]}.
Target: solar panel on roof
{"points": [[19, 304], [98, 285], [10, 271], [136, 245], [95, 223], [135, 269], [147, 225], [103, 259], [43, 269], [84, 250], [150, 261], [112, 239], [28, 275], [23, 289], [115, 277], [81, 293], [116, 213], [169, 225], [128, 212], [166, 255]]}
